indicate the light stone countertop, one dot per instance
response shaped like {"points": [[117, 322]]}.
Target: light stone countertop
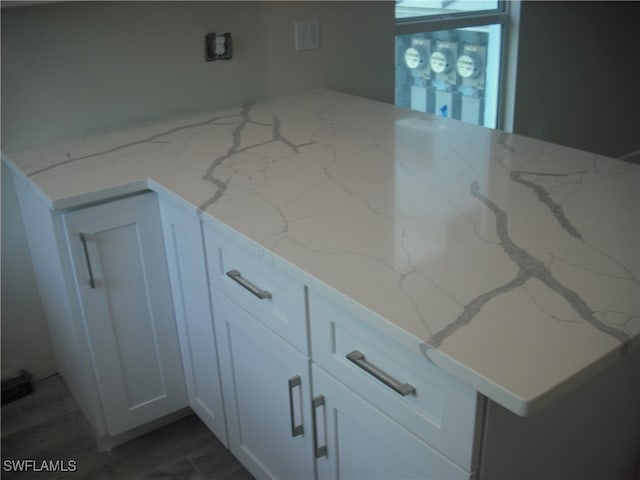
{"points": [[511, 263]]}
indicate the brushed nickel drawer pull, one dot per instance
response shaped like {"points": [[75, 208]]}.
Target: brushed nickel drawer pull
{"points": [[403, 389], [92, 282], [236, 276], [315, 403], [295, 429]]}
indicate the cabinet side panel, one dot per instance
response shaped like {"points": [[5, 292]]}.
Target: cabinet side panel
{"points": [[190, 291], [26, 341], [43, 231], [592, 433]]}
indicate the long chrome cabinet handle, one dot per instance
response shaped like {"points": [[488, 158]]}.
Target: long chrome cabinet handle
{"points": [[295, 429], [236, 276], [315, 403], [92, 282], [403, 389]]}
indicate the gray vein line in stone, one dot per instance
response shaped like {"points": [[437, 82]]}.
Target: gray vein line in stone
{"points": [[255, 145], [285, 230], [395, 220], [630, 316], [214, 122], [529, 267], [208, 176], [556, 209], [536, 269], [305, 191], [549, 174], [301, 217], [558, 213], [151, 139], [537, 303], [472, 308], [330, 176], [621, 167], [262, 124], [234, 149], [415, 270], [344, 252], [278, 238], [349, 192], [415, 305], [502, 140], [631, 277], [544, 197], [592, 270], [278, 136], [370, 207], [402, 276], [446, 198]]}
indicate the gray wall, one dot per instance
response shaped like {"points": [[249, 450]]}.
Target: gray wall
{"points": [[578, 75], [79, 67], [25, 336], [74, 68]]}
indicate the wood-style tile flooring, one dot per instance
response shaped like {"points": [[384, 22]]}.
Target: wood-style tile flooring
{"points": [[47, 425]]}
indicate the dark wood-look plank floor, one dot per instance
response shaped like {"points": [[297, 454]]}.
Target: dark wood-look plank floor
{"points": [[47, 425]]}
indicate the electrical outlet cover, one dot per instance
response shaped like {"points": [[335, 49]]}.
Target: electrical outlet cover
{"points": [[217, 46], [307, 34]]}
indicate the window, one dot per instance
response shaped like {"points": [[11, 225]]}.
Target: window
{"points": [[449, 58]]}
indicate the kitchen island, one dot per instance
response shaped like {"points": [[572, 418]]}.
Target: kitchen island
{"points": [[509, 263]]}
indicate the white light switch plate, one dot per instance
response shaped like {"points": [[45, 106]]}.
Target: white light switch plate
{"points": [[307, 34]]}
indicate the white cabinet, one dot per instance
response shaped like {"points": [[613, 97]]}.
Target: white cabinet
{"points": [[356, 426], [121, 279], [383, 412], [187, 268], [271, 296], [261, 329], [354, 440], [435, 407], [266, 391]]}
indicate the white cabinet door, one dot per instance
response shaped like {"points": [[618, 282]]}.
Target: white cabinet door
{"points": [[121, 277], [187, 269], [434, 406], [267, 395], [354, 440], [248, 278]]}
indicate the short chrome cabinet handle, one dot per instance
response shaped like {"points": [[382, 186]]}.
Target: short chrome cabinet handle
{"points": [[295, 429], [403, 389], [236, 276], [315, 404], [83, 238]]}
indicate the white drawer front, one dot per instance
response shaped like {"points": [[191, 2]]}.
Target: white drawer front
{"points": [[432, 404], [270, 295]]}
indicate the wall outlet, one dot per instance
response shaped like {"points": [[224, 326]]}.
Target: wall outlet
{"points": [[217, 46], [306, 34]]}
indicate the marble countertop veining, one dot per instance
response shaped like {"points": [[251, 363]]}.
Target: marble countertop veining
{"points": [[512, 263]]}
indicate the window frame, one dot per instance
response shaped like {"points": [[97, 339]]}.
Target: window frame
{"points": [[507, 15]]}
